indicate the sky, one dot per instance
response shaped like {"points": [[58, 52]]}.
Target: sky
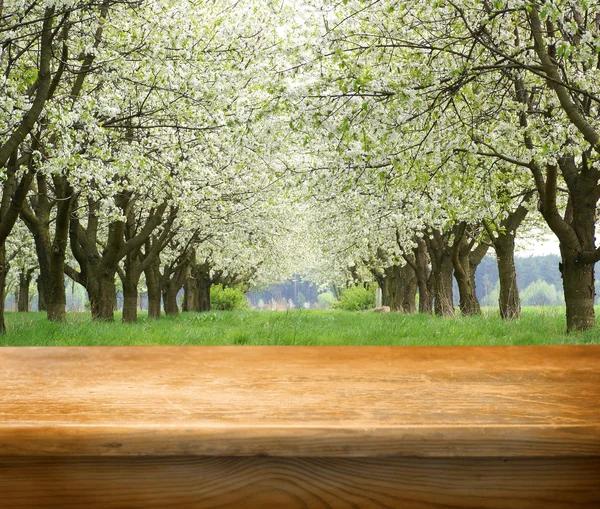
{"points": [[544, 244]]}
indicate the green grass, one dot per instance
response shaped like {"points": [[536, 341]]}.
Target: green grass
{"points": [[537, 326]]}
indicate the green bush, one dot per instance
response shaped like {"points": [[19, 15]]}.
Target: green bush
{"points": [[356, 298], [541, 293], [227, 299], [326, 300]]}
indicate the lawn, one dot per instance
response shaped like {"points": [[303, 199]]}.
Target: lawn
{"points": [[298, 327]]}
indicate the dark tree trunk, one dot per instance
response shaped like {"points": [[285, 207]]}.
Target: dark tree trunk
{"points": [[503, 240], [130, 297], [392, 293], [440, 255], [54, 289], [464, 271], [154, 294], [468, 303], [3, 272], [442, 286], [25, 277], [409, 285], [203, 284], [578, 285], [577, 267], [171, 281], [102, 298], [130, 278], [424, 280], [190, 293], [398, 285], [41, 294], [509, 301], [98, 269], [51, 252], [204, 295], [170, 299]]}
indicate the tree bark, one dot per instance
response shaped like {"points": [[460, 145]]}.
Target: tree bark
{"points": [[576, 235], [466, 257], [203, 283], [152, 273], [3, 272], [130, 295], [509, 301], [578, 285], [409, 286], [504, 244], [392, 293], [442, 286], [424, 281], [97, 268], [25, 277], [204, 286], [51, 252], [41, 294], [170, 299], [54, 288], [440, 254], [190, 292], [464, 273], [102, 298]]}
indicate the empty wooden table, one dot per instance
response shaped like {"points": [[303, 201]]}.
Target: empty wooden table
{"points": [[300, 427]]}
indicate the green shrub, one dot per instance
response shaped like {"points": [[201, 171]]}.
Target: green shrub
{"points": [[541, 293], [326, 300], [356, 298], [227, 299]]}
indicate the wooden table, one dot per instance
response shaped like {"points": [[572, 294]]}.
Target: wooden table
{"points": [[300, 427]]}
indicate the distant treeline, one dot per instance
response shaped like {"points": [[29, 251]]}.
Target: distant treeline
{"points": [[530, 270]]}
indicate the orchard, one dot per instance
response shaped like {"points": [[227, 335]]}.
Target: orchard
{"points": [[186, 144]]}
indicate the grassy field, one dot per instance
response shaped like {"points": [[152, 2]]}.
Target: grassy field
{"points": [[299, 327]]}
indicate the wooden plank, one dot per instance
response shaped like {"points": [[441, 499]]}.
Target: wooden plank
{"points": [[301, 401], [298, 483]]}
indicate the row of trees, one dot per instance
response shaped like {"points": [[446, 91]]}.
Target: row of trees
{"points": [[433, 129], [132, 143], [179, 139]]}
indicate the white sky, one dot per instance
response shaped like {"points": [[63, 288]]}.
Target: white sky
{"points": [[537, 247]]}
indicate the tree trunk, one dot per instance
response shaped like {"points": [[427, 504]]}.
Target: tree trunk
{"points": [[130, 305], [41, 294], [423, 275], [54, 289], [203, 284], [153, 297], [442, 287], [170, 299], [25, 277], [190, 293], [464, 273], [440, 254], [130, 293], [102, 298], [509, 301], [391, 288], [409, 285], [578, 285], [51, 251], [3, 272], [204, 295]]}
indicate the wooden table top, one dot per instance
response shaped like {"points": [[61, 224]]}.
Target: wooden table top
{"points": [[301, 401]]}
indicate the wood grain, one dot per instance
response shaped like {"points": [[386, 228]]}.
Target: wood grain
{"points": [[301, 401], [298, 483]]}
